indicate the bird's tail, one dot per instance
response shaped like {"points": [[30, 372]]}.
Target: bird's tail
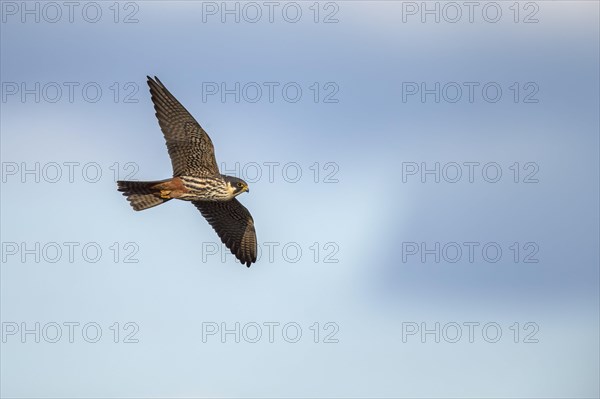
{"points": [[142, 194]]}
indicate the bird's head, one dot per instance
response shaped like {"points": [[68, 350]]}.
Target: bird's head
{"points": [[236, 186]]}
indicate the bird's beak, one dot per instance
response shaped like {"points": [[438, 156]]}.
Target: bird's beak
{"points": [[247, 189]]}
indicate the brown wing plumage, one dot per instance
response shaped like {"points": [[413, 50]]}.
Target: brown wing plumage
{"points": [[191, 150], [234, 225]]}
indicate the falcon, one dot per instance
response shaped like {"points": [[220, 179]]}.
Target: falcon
{"points": [[196, 178]]}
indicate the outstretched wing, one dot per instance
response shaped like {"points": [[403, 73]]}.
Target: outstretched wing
{"points": [[234, 225], [191, 150]]}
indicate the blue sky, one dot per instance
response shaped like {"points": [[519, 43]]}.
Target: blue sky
{"points": [[354, 229]]}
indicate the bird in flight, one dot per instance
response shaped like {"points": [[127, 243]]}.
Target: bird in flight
{"points": [[196, 178]]}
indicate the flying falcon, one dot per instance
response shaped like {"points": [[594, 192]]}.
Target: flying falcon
{"points": [[196, 178]]}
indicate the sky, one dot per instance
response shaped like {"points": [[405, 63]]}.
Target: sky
{"points": [[424, 181]]}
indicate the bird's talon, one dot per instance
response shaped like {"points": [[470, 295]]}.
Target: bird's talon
{"points": [[165, 194]]}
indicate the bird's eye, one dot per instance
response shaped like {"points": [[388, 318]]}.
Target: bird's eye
{"points": [[240, 185]]}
